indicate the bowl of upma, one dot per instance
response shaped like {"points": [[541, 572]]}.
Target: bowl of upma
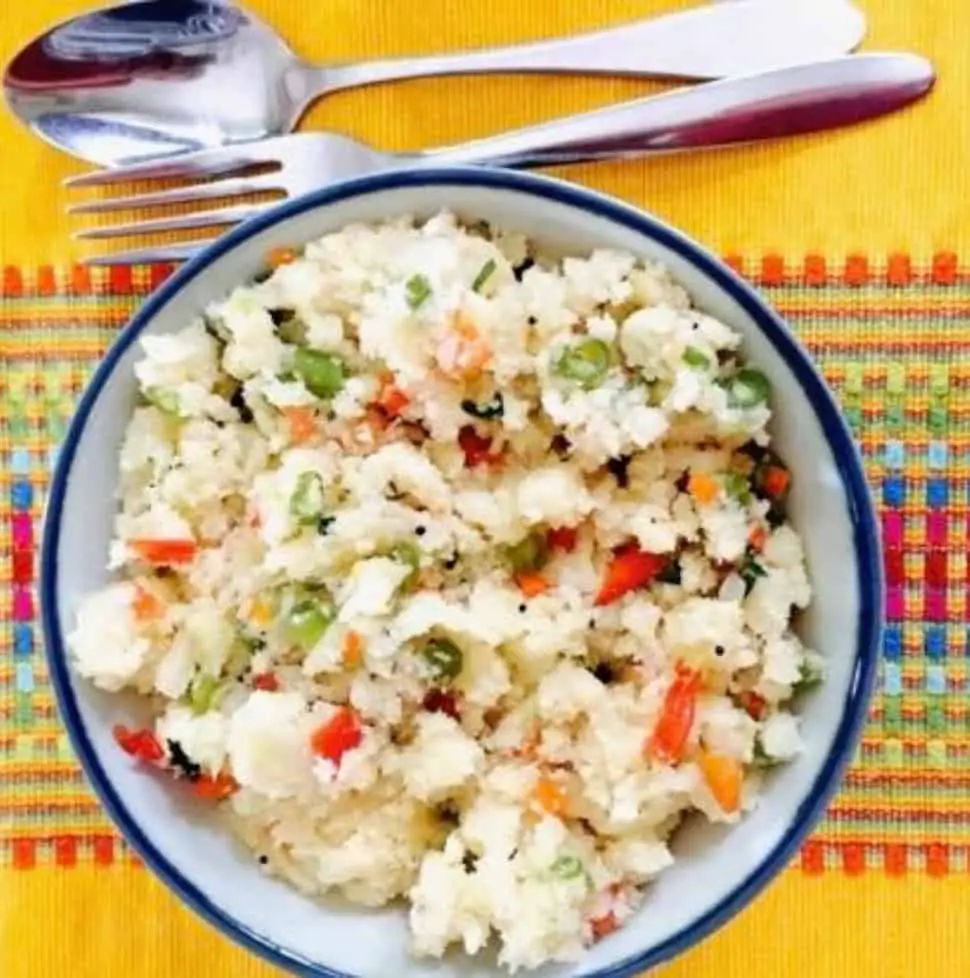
{"points": [[459, 571]]}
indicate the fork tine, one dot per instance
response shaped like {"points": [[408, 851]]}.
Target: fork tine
{"points": [[209, 162], [151, 255], [233, 187], [183, 222]]}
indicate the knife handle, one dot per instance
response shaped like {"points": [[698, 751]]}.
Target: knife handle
{"points": [[778, 103]]}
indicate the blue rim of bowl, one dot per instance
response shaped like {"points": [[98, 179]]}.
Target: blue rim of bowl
{"points": [[846, 456]]}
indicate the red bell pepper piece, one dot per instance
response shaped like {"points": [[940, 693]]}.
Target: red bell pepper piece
{"points": [[668, 742], [142, 744], [629, 569], [341, 733], [562, 538], [477, 448]]}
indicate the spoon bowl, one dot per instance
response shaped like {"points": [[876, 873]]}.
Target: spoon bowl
{"points": [[144, 80], [150, 79]]}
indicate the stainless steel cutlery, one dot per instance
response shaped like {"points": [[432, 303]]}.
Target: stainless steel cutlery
{"points": [[149, 79], [784, 102]]}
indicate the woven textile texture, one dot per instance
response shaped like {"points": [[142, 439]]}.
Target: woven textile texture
{"points": [[862, 241]]}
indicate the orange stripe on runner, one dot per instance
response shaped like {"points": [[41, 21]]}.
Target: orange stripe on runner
{"points": [[899, 271], [158, 273], [854, 859], [46, 284], [120, 279], [894, 859], [65, 850], [13, 282], [937, 859], [815, 270], [772, 269], [24, 853], [104, 850], [813, 858], [944, 268], [856, 270], [80, 280]]}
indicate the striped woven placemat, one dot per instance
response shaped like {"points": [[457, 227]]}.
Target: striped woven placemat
{"points": [[894, 343]]}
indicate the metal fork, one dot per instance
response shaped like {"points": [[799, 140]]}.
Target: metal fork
{"points": [[777, 103]]}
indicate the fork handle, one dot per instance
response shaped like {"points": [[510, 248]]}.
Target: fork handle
{"points": [[721, 113], [709, 41]]}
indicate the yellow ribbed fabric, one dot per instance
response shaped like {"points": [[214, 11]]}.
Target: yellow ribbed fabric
{"points": [[897, 184], [125, 924], [860, 237]]}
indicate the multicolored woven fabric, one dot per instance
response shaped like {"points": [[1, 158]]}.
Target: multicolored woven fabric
{"points": [[903, 806], [861, 239]]}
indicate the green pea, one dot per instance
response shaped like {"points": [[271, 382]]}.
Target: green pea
{"points": [[484, 274], [748, 388], [529, 554], [418, 290], [307, 621], [166, 401], [444, 658], [810, 674], [407, 553], [242, 651], [738, 487], [203, 694], [306, 503], [695, 358], [322, 373], [567, 868], [586, 362]]}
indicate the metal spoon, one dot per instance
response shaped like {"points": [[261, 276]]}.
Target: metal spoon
{"points": [[164, 76]]}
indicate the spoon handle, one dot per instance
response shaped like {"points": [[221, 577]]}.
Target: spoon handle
{"points": [[785, 102], [709, 41]]}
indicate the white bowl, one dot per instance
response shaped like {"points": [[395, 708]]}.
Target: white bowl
{"points": [[717, 871]]}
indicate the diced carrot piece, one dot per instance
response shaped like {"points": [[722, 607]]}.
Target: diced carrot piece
{"points": [[392, 400], [280, 256], [703, 488], [550, 797], [165, 551], [604, 926], [267, 682], [341, 733], [145, 606], [775, 480], [531, 584], [629, 569], [724, 776], [352, 649], [462, 352], [215, 788], [757, 537], [562, 538], [668, 742], [302, 422]]}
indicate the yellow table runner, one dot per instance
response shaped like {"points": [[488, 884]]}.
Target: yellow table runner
{"points": [[859, 237]]}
